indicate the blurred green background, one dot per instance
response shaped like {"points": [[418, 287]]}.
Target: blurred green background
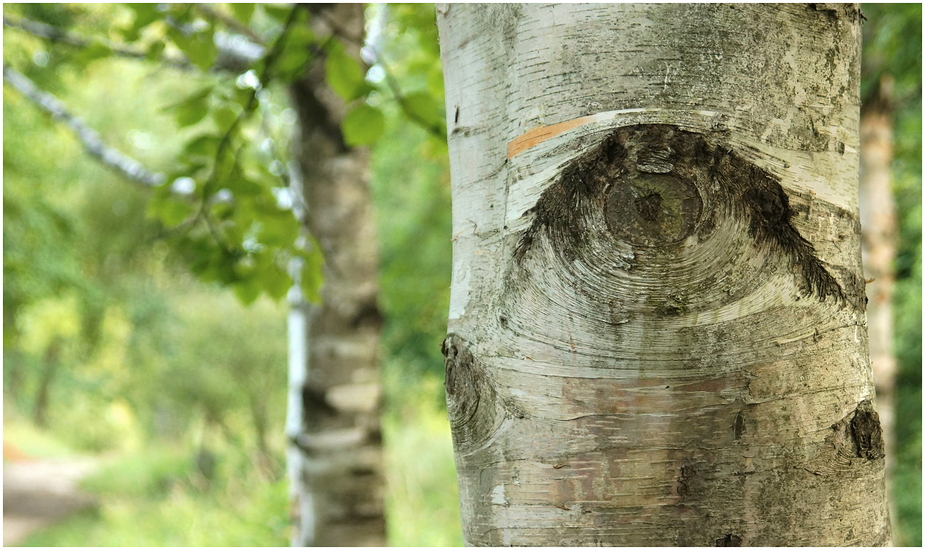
{"points": [[112, 349]]}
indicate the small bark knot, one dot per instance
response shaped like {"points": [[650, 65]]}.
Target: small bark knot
{"points": [[729, 540], [865, 428], [450, 349], [471, 401], [463, 377]]}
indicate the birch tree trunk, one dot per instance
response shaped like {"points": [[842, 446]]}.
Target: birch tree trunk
{"points": [[878, 252], [657, 323], [338, 447], [878, 220]]}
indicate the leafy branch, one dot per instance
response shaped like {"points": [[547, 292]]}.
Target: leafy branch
{"points": [[230, 22], [234, 229], [89, 138], [232, 54], [406, 102], [249, 108], [435, 129]]}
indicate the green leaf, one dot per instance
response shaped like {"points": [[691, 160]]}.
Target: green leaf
{"points": [[145, 14], [296, 53], [344, 74], [274, 281], [279, 230], [435, 80], [362, 125], [169, 210], [300, 36], [312, 275], [190, 114], [155, 50], [173, 212], [198, 47], [96, 49], [423, 106], [202, 146], [233, 231], [191, 109], [241, 186], [242, 11], [291, 61], [225, 116], [247, 291], [276, 12]]}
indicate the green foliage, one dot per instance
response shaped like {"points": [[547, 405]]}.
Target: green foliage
{"points": [[228, 223], [906, 482], [344, 74], [415, 70], [148, 474], [192, 108], [422, 503], [243, 11], [411, 176], [363, 125], [30, 441], [892, 46]]}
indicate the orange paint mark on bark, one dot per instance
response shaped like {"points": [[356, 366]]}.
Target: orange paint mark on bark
{"points": [[542, 133]]}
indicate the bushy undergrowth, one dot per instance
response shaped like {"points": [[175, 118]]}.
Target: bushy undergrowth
{"points": [[160, 497]]}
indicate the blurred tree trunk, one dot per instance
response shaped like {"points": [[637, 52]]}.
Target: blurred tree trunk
{"points": [[50, 362], [657, 321], [878, 229], [338, 449]]}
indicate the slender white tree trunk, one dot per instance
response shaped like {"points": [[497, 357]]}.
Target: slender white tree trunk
{"points": [[336, 457], [878, 220], [657, 322]]}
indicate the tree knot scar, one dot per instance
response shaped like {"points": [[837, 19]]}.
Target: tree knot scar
{"points": [[770, 215], [866, 431], [685, 477], [650, 206], [472, 403], [457, 360], [656, 191], [729, 540]]}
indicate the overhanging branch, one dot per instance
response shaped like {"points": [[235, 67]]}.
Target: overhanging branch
{"points": [[55, 34], [236, 53], [89, 138]]}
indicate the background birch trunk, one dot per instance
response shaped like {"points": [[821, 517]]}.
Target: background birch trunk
{"points": [[339, 448], [878, 220], [657, 323], [878, 252]]}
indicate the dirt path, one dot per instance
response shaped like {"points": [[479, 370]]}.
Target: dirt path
{"points": [[37, 493]]}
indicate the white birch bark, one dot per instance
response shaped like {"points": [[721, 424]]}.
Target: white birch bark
{"points": [[657, 322], [878, 221], [337, 454]]}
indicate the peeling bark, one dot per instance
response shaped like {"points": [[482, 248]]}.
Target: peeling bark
{"points": [[657, 319]]}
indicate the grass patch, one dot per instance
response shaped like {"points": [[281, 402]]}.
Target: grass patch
{"points": [[32, 441], [150, 474], [422, 501], [158, 498], [906, 481]]}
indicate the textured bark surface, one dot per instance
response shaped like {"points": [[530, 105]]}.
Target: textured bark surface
{"points": [[340, 447], [657, 321]]}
